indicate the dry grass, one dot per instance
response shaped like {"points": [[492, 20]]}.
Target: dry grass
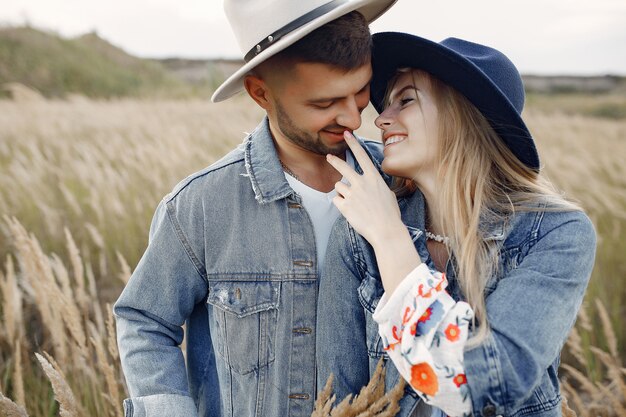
{"points": [[79, 184], [370, 402]]}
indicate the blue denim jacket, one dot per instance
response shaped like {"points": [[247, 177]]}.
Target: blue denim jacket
{"points": [[546, 258], [231, 255]]}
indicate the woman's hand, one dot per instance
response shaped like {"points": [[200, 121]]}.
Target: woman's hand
{"points": [[367, 202]]}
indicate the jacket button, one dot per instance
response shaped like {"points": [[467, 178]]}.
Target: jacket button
{"points": [[302, 330], [489, 410], [299, 396]]}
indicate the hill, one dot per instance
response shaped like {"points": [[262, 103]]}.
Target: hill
{"points": [[91, 66], [88, 65]]}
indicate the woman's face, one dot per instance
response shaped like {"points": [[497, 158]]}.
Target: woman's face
{"points": [[410, 128]]}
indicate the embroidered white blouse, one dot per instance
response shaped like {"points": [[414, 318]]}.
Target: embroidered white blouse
{"points": [[424, 332]]}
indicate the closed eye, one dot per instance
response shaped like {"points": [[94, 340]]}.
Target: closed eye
{"points": [[322, 104]]}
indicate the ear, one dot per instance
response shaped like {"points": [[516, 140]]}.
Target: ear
{"points": [[258, 90]]}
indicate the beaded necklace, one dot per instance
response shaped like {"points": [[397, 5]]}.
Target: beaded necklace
{"points": [[438, 238]]}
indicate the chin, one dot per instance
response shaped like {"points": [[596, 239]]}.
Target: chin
{"points": [[338, 149], [391, 169]]}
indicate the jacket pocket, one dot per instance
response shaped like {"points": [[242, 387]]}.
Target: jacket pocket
{"points": [[243, 320]]}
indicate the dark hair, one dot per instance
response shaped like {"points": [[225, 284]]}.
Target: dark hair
{"points": [[345, 43]]}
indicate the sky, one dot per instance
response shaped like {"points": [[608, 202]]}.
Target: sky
{"points": [[543, 37]]}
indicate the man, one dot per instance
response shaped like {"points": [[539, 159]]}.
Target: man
{"points": [[235, 250]]}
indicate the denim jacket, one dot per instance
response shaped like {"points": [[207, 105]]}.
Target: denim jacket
{"points": [[232, 256], [545, 262]]}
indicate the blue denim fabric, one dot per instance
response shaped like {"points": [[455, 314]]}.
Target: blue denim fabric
{"points": [[546, 258], [232, 255]]}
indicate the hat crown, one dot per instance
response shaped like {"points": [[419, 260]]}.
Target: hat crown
{"points": [[255, 20], [495, 65]]}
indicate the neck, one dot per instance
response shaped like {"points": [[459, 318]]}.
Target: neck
{"points": [[428, 188]]}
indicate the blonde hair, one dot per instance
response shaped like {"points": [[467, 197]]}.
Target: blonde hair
{"points": [[480, 181]]}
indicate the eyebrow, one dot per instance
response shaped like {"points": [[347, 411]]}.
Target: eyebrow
{"points": [[325, 99]]}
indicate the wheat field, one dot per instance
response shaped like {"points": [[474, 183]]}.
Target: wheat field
{"points": [[80, 180]]}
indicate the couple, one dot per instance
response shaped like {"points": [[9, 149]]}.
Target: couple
{"points": [[467, 276]]}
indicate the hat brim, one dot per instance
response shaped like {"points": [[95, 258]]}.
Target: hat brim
{"points": [[371, 9], [393, 50]]}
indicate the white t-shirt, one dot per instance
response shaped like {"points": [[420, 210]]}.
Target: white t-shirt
{"points": [[321, 210]]}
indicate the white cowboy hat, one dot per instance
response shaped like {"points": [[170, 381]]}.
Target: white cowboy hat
{"points": [[266, 27]]}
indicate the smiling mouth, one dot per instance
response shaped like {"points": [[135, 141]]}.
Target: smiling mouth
{"points": [[394, 139]]}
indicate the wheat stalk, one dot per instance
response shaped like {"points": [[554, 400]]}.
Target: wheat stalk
{"points": [[125, 272], [111, 335], [609, 334], [370, 402], [573, 395], [36, 268], [62, 391], [12, 302], [18, 376], [9, 409], [107, 370]]}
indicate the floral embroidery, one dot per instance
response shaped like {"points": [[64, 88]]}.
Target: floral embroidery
{"points": [[390, 346], [407, 315], [433, 286], [431, 357], [423, 379], [459, 380], [430, 318], [453, 332]]}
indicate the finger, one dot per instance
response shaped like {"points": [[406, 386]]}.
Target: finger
{"points": [[359, 153], [342, 189], [344, 169], [338, 202]]}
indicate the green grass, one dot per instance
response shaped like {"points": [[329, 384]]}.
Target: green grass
{"points": [[87, 65]]}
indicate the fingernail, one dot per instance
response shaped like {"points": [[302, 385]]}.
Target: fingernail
{"points": [[347, 134]]}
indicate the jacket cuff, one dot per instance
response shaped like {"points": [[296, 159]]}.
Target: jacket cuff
{"points": [[171, 405], [484, 379]]}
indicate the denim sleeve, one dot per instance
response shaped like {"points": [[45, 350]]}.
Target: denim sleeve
{"points": [[530, 314], [150, 312]]}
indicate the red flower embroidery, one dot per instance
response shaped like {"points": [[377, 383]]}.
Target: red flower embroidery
{"points": [[423, 379], [459, 380], [453, 332], [426, 316]]}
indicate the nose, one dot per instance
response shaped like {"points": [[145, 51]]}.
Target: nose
{"points": [[350, 115], [384, 120]]}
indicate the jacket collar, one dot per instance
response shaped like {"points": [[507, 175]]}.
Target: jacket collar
{"points": [[413, 208], [263, 167]]}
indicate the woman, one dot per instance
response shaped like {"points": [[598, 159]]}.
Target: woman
{"points": [[482, 263]]}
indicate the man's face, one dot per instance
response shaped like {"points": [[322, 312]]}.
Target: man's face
{"points": [[314, 106]]}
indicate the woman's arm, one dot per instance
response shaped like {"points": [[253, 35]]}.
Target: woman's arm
{"points": [[531, 311], [423, 329], [372, 210]]}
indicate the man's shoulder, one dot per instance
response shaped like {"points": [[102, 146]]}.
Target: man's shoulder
{"points": [[223, 170]]}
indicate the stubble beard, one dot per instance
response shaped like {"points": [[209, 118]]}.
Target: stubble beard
{"points": [[304, 139]]}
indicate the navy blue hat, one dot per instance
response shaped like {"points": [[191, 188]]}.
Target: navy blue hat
{"points": [[485, 76]]}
